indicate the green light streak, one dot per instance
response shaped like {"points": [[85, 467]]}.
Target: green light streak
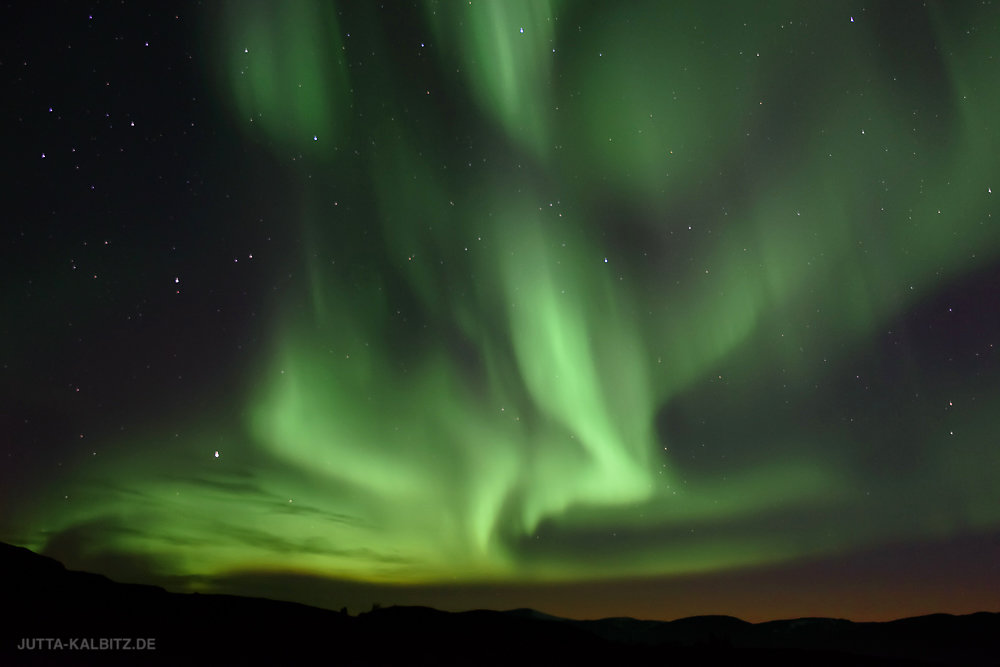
{"points": [[374, 449], [507, 47], [292, 84]]}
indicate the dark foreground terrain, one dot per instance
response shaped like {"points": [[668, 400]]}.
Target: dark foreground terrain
{"points": [[64, 617]]}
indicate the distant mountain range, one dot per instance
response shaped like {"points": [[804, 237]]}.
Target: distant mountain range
{"points": [[61, 617]]}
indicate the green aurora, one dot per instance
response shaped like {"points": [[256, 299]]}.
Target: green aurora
{"points": [[603, 297]]}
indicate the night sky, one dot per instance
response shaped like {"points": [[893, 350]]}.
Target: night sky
{"points": [[626, 308]]}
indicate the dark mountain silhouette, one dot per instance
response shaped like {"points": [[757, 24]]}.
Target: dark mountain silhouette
{"points": [[46, 604]]}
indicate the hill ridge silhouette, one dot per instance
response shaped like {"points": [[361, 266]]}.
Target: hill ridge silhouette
{"points": [[46, 601]]}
